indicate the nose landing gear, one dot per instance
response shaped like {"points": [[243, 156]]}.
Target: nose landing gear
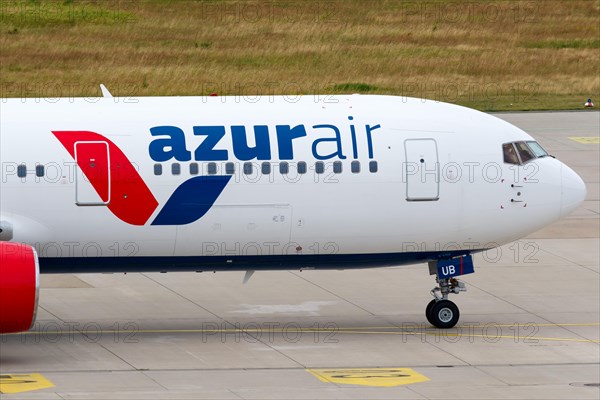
{"points": [[441, 312]]}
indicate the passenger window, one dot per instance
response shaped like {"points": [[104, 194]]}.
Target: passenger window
{"points": [[537, 149], [39, 171], [22, 171], [176, 169], [355, 167], [301, 167], [510, 154], [319, 167], [284, 167], [194, 168], [337, 167], [373, 167], [248, 168], [212, 168], [229, 168], [524, 152], [157, 169], [266, 168]]}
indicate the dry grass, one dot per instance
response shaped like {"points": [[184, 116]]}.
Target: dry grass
{"points": [[491, 55]]}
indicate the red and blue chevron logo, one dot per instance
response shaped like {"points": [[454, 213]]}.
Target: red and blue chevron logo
{"points": [[117, 182]]}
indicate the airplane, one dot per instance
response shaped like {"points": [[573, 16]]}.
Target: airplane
{"points": [[161, 184]]}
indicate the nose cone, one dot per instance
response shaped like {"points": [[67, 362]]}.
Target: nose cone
{"points": [[573, 191]]}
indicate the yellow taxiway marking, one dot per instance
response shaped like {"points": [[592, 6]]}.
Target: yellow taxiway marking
{"points": [[18, 383], [383, 377], [415, 330], [411, 330], [586, 139], [478, 335]]}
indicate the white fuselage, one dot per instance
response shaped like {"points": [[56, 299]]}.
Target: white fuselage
{"points": [[429, 179]]}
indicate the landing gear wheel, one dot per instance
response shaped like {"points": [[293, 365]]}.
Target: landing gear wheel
{"points": [[443, 314], [428, 311]]}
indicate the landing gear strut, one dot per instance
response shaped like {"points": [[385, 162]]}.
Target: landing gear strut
{"points": [[441, 312]]}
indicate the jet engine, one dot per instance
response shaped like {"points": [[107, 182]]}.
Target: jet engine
{"points": [[19, 287]]}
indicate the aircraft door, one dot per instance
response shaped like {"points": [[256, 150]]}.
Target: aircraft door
{"points": [[92, 180], [421, 170]]}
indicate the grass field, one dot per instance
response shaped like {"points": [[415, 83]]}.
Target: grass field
{"points": [[490, 55]]}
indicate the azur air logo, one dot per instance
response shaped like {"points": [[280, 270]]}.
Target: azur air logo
{"points": [[114, 177], [130, 198], [170, 142]]}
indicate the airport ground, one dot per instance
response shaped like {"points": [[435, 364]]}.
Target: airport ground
{"points": [[529, 329]]}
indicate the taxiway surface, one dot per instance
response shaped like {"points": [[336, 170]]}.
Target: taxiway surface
{"points": [[529, 328]]}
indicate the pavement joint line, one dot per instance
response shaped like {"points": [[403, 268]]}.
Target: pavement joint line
{"points": [[51, 313], [331, 293], [301, 368], [183, 297], [363, 331], [258, 339], [409, 388], [523, 309], [153, 380], [85, 334], [309, 329], [232, 391], [569, 261], [490, 375]]}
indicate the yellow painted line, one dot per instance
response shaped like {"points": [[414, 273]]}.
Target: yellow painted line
{"points": [[530, 324], [452, 334], [382, 377], [586, 139], [324, 329], [372, 330], [19, 383]]}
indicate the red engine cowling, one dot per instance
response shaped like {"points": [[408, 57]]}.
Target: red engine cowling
{"points": [[19, 287]]}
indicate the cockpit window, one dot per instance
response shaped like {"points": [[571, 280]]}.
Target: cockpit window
{"points": [[510, 154], [537, 149], [521, 152], [525, 152]]}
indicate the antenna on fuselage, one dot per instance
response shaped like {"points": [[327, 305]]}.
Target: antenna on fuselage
{"points": [[248, 275], [105, 92]]}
